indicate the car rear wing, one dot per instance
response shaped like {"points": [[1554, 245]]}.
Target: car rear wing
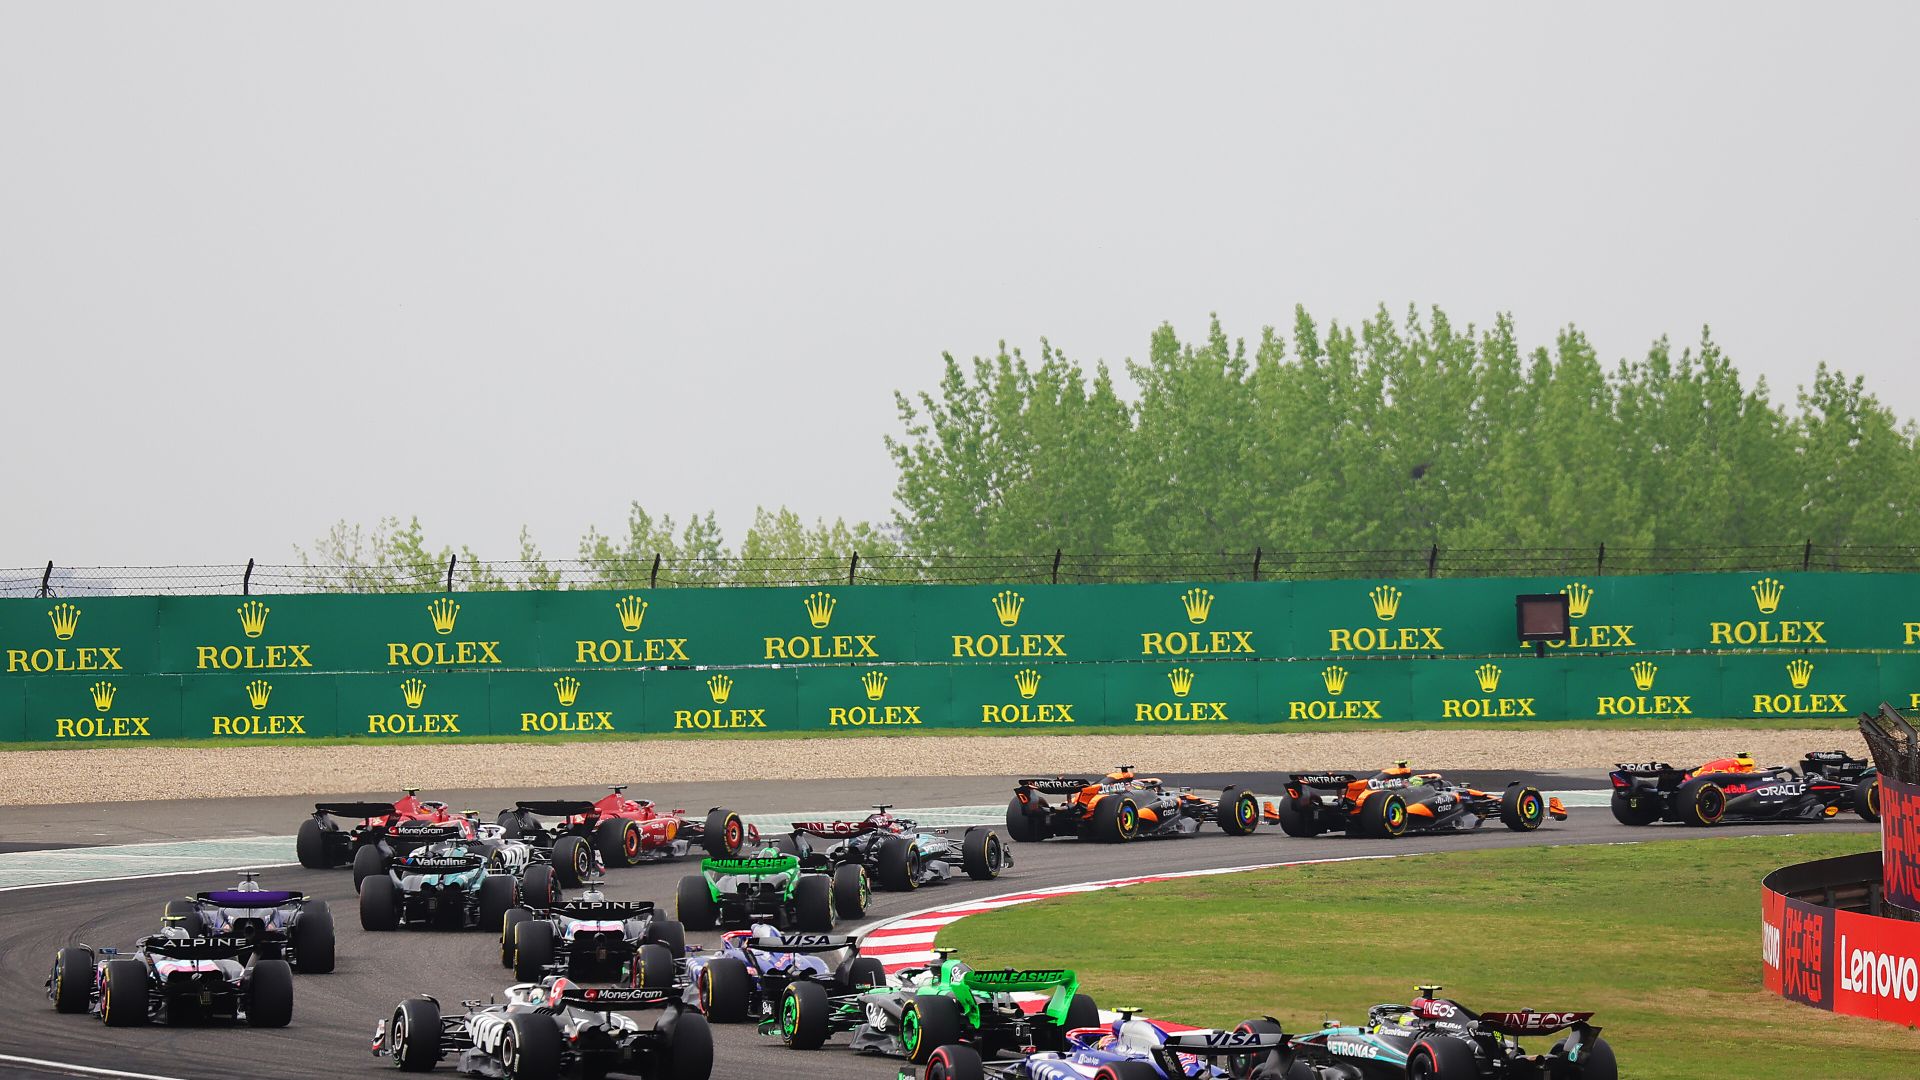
{"points": [[261, 899], [1645, 768], [554, 807], [1221, 1042], [803, 943], [751, 866], [1057, 785], [1019, 981], [618, 998], [358, 810], [426, 831], [440, 864], [1529, 1022], [1338, 780], [584, 909], [833, 830], [224, 947]]}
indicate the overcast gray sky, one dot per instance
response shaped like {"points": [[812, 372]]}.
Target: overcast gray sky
{"points": [[267, 266]]}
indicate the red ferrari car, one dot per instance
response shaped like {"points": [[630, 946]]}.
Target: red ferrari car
{"points": [[626, 831], [322, 844]]}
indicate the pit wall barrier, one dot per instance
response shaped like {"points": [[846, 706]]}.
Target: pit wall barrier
{"points": [[951, 624], [113, 707], [1834, 934]]}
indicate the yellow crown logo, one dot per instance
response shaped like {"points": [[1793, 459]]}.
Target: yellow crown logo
{"points": [[414, 693], [1198, 602], [875, 683], [1027, 681], [721, 687], [1182, 680], [1489, 677], [1643, 673], [443, 611], [102, 695], [1766, 594], [1335, 679], [253, 618], [632, 610], [1386, 602], [1007, 605], [66, 619], [258, 691], [566, 689], [1578, 597], [820, 609], [1799, 671]]}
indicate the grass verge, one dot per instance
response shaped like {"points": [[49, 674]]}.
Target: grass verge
{"points": [[1661, 940]]}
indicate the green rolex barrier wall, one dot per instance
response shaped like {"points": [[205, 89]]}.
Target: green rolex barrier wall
{"points": [[872, 699]]}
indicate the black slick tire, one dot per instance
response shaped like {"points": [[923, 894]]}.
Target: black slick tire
{"points": [[1522, 808], [368, 862], [72, 979], [850, 890], [497, 893], [981, 853], [894, 865], [1115, 820], [1295, 820], [724, 989], [533, 942], [861, 973], [1866, 798], [693, 903], [1020, 823], [1442, 1057], [653, 968], [1239, 813], [508, 923], [1635, 809], [538, 888], [689, 1049], [669, 934], [1701, 802], [312, 939], [930, 1022], [572, 860], [310, 845], [813, 904], [619, 842], [803, 1015], [725, 833], [955, 1061], [413, 1035], [269, 994], [530, 1047], [124, 995], [379, 904], [1127, 1070], [188, 917], [1384, 817]]}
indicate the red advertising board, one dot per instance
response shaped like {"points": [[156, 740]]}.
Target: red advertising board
{"points": [[1876, 968], [1797, 947], [1900, 842]]}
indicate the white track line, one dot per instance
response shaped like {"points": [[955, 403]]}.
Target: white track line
{"points": [[83, 1070]]}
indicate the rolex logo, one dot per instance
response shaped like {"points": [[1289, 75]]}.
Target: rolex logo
{"points": [[414, 693], [1488, 676], [1578, 597], [820, 607], [632, 610], [1643, 673], [443, 611], [102, 693], [1198, 602], [253, 618], [66, 619], [1182, 680], [1766, 595], [1027, 681], [1799, 671], [721, 687], [1007, 605], [1386, 602], [565, 690], [875, 683], [1335, 679], [258, 691]]}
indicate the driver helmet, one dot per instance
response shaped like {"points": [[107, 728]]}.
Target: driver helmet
{"points": [[247, 884], [557, 991], [175, 932]]}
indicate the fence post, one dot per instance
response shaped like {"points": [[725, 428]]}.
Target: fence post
{"points": [[1256, 564], [653, 579], [1806, 557], [1056, 566], [852, 566], [246, 580], [1433, 561], [46, 581], [451, 559], [1600, 564]]}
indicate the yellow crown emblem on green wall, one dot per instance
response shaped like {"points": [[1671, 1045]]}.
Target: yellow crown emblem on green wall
{"points": [[102, 694], [1335, 679], [721, 688], [566, 690], [258, 692], [66, 619], [1578, 598], [632, 611], [1488, 675], [1643, 673], [1007, 605], [1798, 672], [253, 618], [414, 693], [1181, 680], [1386, 602], [1027, 681], [1767, 593], [875, 684], [443, 612], [820, 607], [1199, 603]]}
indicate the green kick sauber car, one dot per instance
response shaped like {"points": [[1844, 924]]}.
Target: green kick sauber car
{"points": [[927, 1007], [735, 893]]}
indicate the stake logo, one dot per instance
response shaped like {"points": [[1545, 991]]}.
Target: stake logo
{"points": [[1180, 680], [1386, 600], [253, 618], [65, 619], [444, 614], [1026, 682], [632, 610], [257, 724], [1799, 676], [101, 696], [414, 693], [1767, 594], [1487, 678], [1197, 604], [1007, 607], [1335, 706], [566, 691], [1642, 704], [874, 685], [820, 606]]}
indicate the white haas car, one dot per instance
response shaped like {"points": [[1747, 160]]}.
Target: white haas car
{"points": [[550, 1029]]}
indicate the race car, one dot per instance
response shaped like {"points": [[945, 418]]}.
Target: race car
{"points": [[1739, 789], [946, 1002], [277, 925], [628, 832], [896, 853], [1396, 801], [593, 938], [749, 976], [550, 1029], [1127, 1049], [543, 869], [1441, 1039], [454, 883], [1123, 807], [321, 844], [175, 976], [771, 888]]}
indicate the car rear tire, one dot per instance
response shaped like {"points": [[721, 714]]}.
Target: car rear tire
{"points": [[1596, 1062], [1442, 1057], [1866, 798], [532, 949], [368, 862], [725, 833], [653, 968], [813, 904], [310, 845], [1253, 1065], [312, 938], [189, 915], [693, 903], [1702, 802], [955, 1061], [1020, 824], [895, 864], [379, 904], [929, 1023], [530, 1047], [1082, 1012], [1127, 1070], [618, 841], [1295, 820], [803, 1015], [689, 1048], [413, 1035], [72, 980], [1522, 808], [269, 994], [1384, 817], [1115, 820], [861, 973], [724, 990], [537, 888], [1239, 813], [498, 893], [981, 853], [124, 993], [1636, 810], [850, 890], [508, 922], [669, 935], [572, 860]]}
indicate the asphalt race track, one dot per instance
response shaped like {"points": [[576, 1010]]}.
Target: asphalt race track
{"points": [[334, 1015]]}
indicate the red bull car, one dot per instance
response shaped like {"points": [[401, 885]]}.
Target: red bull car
{"points": [[1738, 789], [1396, 801]]}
